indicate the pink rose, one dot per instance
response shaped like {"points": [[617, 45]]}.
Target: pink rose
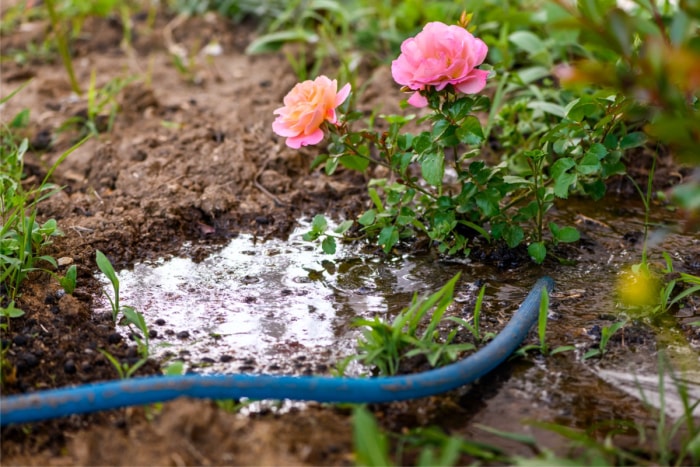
{"points": [[440, 55], [305, 109]]}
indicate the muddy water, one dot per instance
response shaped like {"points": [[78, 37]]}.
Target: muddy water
{"points": [[284, 307]]}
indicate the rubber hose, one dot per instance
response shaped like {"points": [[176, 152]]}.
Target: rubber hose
{"points": [[43, 405]]}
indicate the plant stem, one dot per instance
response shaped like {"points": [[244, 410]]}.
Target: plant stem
{"points": [[63, 46]]}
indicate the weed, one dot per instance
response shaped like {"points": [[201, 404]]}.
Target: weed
{"points": [[543, 347], [69, 279], [106, 267], [135, 318], [125, 370], [605, 334], [102, 107], [384, 345], [674, 446], [131, 317], [430, 446], [9, 312], [474, 327], [371, 445], [22, 236]]}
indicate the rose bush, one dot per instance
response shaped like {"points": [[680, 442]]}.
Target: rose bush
{"points": [[438, 56], [306, 107]]}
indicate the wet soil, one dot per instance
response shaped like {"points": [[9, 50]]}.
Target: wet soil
{"points": [[191, 159]]}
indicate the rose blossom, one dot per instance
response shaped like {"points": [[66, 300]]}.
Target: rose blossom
{"points": [[440, 55], [306, 107]]}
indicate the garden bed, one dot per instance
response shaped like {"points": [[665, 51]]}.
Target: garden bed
{"points": [[190, 163]]}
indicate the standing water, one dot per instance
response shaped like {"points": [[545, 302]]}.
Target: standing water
{"points": [[285, 307]]}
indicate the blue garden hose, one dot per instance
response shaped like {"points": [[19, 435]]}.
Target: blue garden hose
{"points": [[55, 403]]}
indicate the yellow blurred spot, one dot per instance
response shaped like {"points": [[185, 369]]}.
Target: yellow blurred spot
{"points": [[636, 286]]}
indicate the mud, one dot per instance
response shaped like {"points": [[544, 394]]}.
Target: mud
{"points": [[191, 160]]}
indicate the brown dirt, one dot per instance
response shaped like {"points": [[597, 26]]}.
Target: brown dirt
{"points": [[189, 159]]}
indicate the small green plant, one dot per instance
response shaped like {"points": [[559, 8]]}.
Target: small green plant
{"points": [[9, 312], [384, 345], [676, 444], [135, 318], [474, 327], [106, 267], [69, 279], [319, 228], [543, 347], [371, 445], [22, 236], [605, 334], [430, 446], [131, 317], [125, 370], [102, 107], [690, 283]]}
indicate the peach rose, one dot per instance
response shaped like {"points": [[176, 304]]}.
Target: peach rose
{"points": [[305, 109], [440, 55]]}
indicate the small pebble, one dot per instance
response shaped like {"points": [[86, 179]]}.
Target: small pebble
{"points": [[114, 338], [20, 340], [69, 367], [27, 360], [183, 334]]}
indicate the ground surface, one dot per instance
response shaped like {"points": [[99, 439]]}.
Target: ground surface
{"points": [[189, 159]]}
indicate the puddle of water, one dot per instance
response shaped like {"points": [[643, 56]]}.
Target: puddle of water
{"points": [[284, 307], [664, 395], [280, 306]]}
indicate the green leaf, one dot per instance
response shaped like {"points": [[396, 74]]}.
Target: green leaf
{"points": [[69, 280], [433, 168], [470, 131], [318, 160], [589, 164], [513, 235], [328, 245], [371, 445], [21, 120], [331, 165], [581, 108], [527, 41], [343, 227], [422, 143], [357, 163], [564, 234], [563, 183], [106, 267], [367, 218], [537, 251], [439, 129], [547, 107], [274, 41], [460, 108], [562, 179], [388, 237], [11, 311], [487, 201], [633, 140], [319, 224]]}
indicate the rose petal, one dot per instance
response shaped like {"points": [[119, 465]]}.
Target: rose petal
{"points": [[417, 100], [475, 82]]}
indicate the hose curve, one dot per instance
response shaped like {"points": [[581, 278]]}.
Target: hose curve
{"points": [[94, 397]]}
